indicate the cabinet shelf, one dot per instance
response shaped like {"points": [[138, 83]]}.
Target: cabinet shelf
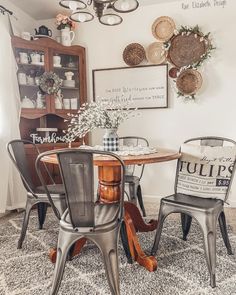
{"points": [[70, 88], [66, 68], [20, 65]]}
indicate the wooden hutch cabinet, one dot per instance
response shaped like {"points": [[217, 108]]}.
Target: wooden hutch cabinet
{"points": [[41, 113]]}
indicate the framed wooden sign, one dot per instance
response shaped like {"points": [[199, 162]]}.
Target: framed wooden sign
{"points": [[145, 86]]}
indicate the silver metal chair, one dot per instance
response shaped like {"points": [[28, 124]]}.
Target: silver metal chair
{"points": [[86, 217], [132, 180], [35, 195], [206, 211]]}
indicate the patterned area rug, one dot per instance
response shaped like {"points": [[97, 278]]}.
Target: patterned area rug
{"points": [[181, 265]]}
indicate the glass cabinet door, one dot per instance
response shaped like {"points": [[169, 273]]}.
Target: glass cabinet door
{"points": [[66, 66], [31, 65]]}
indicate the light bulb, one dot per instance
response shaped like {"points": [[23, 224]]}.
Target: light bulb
{"points": [[81, 18], [125, 5], [73, 5], [111, 20]]}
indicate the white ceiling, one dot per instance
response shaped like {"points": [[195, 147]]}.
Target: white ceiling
{"points": [[46, 9]]}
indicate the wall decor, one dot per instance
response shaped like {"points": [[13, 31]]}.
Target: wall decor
{"points": [[187, 50], [49, 82], [156, 53], [131, 82], [188, 82], [163, 28], [133, 54], [189, 47]]}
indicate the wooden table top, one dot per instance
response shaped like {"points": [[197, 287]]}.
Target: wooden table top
{"points": [[162, 155]]}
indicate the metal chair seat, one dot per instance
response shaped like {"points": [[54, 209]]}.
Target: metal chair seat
{"points": [[132, 179], [53, 189], [105, 216], [191, 202]]}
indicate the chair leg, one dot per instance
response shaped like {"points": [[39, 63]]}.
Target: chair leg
{"points": [[160, 223], [186, 221], [24, 227], [140, 200], [124, 238], [209, 236], [42, 210], [224, 233], [108, 243], [132, 193], [64, 243]]}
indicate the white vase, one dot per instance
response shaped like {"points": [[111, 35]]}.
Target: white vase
{"points": [[67, 36], [111, 140]]}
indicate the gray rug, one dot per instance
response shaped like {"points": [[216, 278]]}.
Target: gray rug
{"points": [[181, 265]]}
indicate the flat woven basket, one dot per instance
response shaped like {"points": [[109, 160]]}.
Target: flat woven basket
{"points": [[156, 53], [189, 81], [134, 54], [186, 50], [163, 28]]}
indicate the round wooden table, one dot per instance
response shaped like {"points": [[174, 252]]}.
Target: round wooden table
{"points": [[109, 174]]}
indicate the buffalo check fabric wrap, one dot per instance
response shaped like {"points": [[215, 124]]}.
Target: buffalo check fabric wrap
{"points": [[205, 171]]}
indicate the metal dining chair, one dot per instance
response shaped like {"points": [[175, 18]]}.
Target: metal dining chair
{"points": [[36, 195], [206, 211], [86, 217], [132, 180]]}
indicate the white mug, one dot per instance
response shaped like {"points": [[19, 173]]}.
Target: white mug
{"points": [[26, 35], [30, 80], [66, 102], [24, 58], [74, 103], [56, 60], [22, 78], [35, 57], [67, 37]]}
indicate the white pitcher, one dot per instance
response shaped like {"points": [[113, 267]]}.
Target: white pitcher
{"points": [[67, 36]]}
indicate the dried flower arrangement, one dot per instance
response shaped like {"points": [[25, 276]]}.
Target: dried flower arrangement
{"points": [[63, 21], [102, 114]]}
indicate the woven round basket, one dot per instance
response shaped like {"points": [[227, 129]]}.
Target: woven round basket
{"points": [[156, 53], [163, 28], [186, 49], [189, 81], [133, 54]]}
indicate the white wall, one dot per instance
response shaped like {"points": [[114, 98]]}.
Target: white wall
{"points": [[21, 21], [212, 114]]}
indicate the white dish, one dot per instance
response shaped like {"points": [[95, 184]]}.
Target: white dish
{"points": [[57, 66], [42, 36]]}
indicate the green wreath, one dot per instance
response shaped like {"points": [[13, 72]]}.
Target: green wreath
{"points": [[50, 82]]}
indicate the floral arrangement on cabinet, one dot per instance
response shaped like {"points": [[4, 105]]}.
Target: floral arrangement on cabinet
{"points": [[63, 21], [102, 114]]}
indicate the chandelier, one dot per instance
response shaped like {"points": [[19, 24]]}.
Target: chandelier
{"points": [[105, 10]]}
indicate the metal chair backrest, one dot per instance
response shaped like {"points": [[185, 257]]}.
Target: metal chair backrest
{"points": [[77, 171], [134, 141], [16, 151], [211, 141]]}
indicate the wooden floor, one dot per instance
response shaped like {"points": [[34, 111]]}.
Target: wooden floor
{"points": [[152, 207]]}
